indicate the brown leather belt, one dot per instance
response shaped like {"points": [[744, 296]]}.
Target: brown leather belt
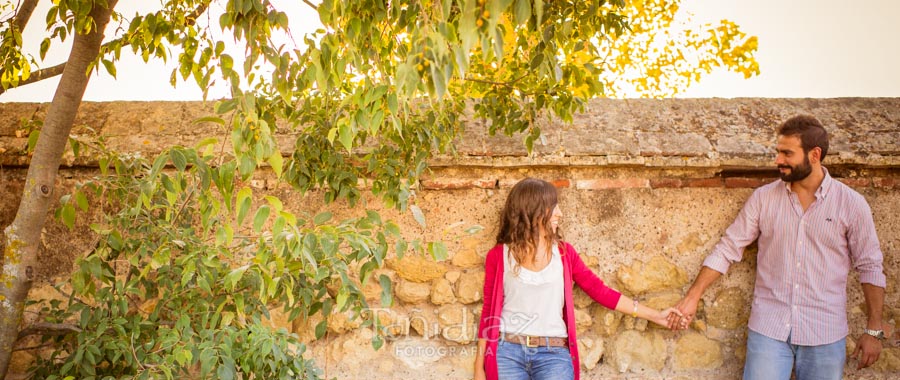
{"points": [[536, 341]]}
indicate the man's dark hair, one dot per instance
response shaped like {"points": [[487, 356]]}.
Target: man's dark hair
{"points": [[810, 131]]}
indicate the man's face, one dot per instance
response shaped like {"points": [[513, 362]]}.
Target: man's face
{"points": [[792, 163]]}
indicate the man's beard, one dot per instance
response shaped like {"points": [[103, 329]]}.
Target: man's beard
{"points": [[797, 173]]}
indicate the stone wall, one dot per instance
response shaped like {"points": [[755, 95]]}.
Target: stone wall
{"points": [[647, 188]]}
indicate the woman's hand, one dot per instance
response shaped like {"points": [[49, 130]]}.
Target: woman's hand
{"points": [[663, 319], [479, 374]]}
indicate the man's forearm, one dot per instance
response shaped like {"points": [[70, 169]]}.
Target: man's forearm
{"points": [[704, 279], [874, 305]]}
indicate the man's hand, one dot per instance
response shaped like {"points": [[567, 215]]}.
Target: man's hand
{"points": [[688, 308], [868, 349]]}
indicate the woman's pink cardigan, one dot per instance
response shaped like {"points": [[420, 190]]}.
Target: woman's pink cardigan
{"points": [[574, 270]]}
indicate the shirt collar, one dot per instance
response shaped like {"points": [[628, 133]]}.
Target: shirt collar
{"points": [[823, 189]]}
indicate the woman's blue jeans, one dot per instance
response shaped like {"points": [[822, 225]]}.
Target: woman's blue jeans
{"points": [[518, 362], [770, 359]]}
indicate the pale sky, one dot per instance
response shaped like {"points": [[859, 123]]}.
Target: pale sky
{"points": [[807, 48]]}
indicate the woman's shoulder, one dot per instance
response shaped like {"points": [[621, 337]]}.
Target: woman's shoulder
{"points": [[566, 247], [495, 252]]}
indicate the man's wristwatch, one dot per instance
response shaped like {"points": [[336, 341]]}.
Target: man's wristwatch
{"points": [[878, 334]]}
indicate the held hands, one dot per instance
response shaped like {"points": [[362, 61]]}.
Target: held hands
{"points": [[671, 318], [688, 308]]}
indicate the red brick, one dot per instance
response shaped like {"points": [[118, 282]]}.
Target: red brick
{"points": [[562, 183], [600, 184], [739, 182], [886, 183], [486, 183], [658, 183], [703, 182], [856, 182]]}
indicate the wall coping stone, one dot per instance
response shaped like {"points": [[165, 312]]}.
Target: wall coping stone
{"points": [[648, 133]]}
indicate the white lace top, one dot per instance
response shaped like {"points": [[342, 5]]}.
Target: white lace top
{"points": [[533, 301]]}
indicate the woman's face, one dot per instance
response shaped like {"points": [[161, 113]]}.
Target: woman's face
{"points": [[554, 218]]}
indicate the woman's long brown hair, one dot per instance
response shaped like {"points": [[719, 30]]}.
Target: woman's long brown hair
{"points": [[525, 217]]}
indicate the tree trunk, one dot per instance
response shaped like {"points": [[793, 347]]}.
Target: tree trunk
{"points": [[22, 237]]}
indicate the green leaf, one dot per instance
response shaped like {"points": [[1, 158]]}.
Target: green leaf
{"points": [[226, 371], [81, 200], [67, 214], [262, 214], [110, 67], [342, 299], [346, 135], [320, 329], [377, 341], [178, 159], [277, 163], [437, 250], [45, 45], [418, 215], [32, 139], [523, 11], [474, 229], [386, 298], [232, 278], [322, 218], [243, 203], [210, 119]]}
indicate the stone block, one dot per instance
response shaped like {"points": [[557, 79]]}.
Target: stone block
{"points": [[467, 256], [342, 322], [590, 350], [412, 292], [457, 323], [695, 351], [470, 286], [424, 322], [638, 352], [582, 319], [442, 292], [673, 144], [605, 321], [416, 268], [730, 310], [655, 275]]}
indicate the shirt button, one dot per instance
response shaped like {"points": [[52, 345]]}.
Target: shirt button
{"points": [[796, 286]]}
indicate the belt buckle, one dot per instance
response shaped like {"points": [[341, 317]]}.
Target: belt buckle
{"points": [[528, 342]]}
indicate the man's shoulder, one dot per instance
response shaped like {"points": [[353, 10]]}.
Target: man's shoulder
{"points": [[769, 188], [847, 194]]}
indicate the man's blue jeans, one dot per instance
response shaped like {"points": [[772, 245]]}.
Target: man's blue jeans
{"points": [[770, 359], [517, 362]]}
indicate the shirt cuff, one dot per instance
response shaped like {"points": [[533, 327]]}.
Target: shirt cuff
{"points": [[875, 278], [717, 263]]}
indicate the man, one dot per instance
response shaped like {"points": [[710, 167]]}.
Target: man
{"points": [[811, 230]]}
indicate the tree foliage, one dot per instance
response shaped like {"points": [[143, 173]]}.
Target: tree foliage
{"points": [[190, 259]]}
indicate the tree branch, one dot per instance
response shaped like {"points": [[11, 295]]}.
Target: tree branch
{"points": [[23, 14], [44, 328], [53, 71], [311, 5]]}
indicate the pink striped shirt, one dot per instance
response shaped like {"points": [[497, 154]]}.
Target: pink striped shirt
{"points": [[804, 259]]}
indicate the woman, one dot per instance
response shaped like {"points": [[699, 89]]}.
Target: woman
{"points": [[527, 327]]}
